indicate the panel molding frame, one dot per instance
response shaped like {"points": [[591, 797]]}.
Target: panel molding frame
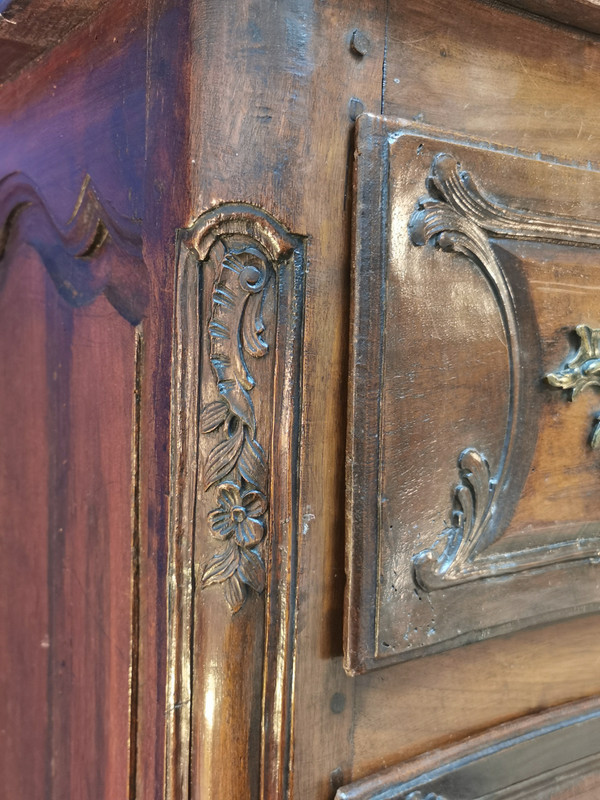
{"points": [[439, 219], [456, 216], [97, 251]]}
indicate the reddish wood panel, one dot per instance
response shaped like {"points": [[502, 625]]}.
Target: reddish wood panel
{"points": [[71, 591], [24, 458], [67, 530]]}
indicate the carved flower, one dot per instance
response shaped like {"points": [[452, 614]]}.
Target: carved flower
{"points": [[237, 520], [238, 515]]}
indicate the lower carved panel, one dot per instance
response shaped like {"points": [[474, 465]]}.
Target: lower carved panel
{"points": [[554, 755]]}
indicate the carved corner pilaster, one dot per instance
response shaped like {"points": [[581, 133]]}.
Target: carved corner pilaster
{"points": [[234, 458]]}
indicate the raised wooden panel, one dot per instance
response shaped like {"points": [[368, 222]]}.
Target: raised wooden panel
{"points": [[472, 479], [550, 756]]}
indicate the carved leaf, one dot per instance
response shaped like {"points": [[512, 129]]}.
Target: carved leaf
{"points": [[581, 371], [253, 327], [251, 463], [213, 415], [236, 396], [252, 570], [223, 457], [221, 566], [235, 593], [562, 380]]}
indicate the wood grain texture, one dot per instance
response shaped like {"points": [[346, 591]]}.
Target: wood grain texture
{"points": [[72, 645], [444, 72], [28, 29], [76, 367], [584, 14], [173, 107], [448, 394], [553, 754]]}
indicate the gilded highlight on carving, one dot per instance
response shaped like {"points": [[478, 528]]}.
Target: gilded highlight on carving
{"points": [[582, 371], [236, 464]]}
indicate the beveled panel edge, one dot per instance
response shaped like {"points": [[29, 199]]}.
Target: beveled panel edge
{"points": [[571, 732], [364, 407]]}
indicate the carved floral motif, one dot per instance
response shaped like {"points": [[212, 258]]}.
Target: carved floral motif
{"points": [[582, 371], [236, 464]]}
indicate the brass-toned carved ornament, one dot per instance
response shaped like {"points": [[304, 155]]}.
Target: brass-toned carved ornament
{"points": [[581, 372]]}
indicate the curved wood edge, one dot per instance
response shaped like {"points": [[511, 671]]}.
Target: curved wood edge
{"points": [[430, 772], [96, 252]]}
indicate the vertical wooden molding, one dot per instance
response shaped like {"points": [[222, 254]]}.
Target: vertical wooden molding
{"points": [[234, 516]]}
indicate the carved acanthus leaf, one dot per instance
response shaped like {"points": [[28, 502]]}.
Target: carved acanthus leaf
{"points": [[444, 218], [457, 544], [457, 216]]}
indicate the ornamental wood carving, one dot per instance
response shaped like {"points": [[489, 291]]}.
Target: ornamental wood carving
{"points": [[236, 464], [582, 371], [233, 526], [95, 252], [453, 427]]}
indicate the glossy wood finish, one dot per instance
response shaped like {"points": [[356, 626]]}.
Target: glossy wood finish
{"points": [[173, 107], [452, 419], [554, 754]]}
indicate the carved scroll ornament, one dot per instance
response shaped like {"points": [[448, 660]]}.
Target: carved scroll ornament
{"points": [[581, 372], [245, 249], [457, 216], [236, 464]]}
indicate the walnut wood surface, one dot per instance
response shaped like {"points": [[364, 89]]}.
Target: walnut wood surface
{"points": [[451, 340], [69, 378], [30, 28], [552, 755], [173, 107]]}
